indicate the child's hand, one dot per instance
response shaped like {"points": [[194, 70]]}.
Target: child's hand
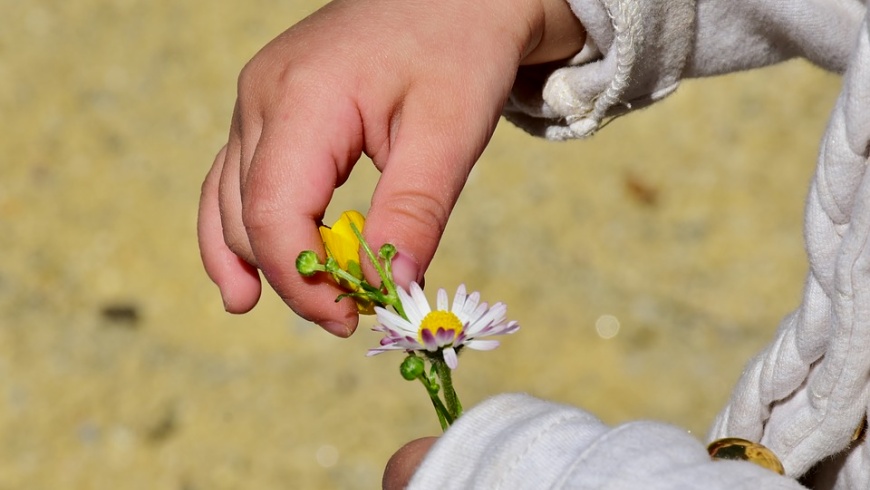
{"points": [[416, 85], [404, 463]]}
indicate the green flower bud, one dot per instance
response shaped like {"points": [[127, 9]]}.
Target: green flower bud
{"points": [[387, 251], [307, 263], [412, 367]]}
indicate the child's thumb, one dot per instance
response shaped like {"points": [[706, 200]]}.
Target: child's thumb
{"points": [[415, 196]]}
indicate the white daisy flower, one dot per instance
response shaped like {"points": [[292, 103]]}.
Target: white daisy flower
{"points": [[445, 328]]}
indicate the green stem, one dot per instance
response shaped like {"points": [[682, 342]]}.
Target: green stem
{"points": [[344, 275], [454, 407], [441, 412], [391, 287], [444, 415], [392, 297]]}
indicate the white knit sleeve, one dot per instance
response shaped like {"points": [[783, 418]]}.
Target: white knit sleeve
{"points": [[518, 442], [638, 51]]}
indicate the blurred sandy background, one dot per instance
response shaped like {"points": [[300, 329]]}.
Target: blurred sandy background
{"points": [[676, 231]]}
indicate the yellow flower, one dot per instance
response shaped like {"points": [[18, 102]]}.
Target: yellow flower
{"points": [[341, 242], [342, 245]]}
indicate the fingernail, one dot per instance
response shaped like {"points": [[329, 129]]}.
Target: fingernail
{"points": [[336, 328], [405, 270]]}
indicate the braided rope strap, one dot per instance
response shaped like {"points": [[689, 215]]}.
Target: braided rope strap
{"points": [[803, 396]]}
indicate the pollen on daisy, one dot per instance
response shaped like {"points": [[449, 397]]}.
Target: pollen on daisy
{"points": [[439, 328], [444, 330]]}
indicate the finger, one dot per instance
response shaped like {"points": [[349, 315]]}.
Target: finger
{"points": [[423, 176], [297, 164], [229, 193], [239, 282], [402, 466]]}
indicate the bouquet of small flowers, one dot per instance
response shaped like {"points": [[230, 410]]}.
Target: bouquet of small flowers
{"points": [[405, 318]]}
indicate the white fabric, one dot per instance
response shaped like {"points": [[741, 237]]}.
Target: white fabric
{"points": [[555, 446], [630, 59], [806, 392], [638, 50]]}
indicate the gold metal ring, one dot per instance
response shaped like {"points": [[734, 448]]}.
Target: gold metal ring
{"points": [[744, 450]]}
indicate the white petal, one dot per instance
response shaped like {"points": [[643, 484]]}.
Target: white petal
{"points": [[394, 321], [450, 358], [470, 305], [415, 316], [478, 312], [494, 315], [482, 344], [420, 300], [459, 300], [441, 301], [381, 350], [506, 328]]}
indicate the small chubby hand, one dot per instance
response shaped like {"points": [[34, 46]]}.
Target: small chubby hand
{"points": [[418, 86], [402, 466]]}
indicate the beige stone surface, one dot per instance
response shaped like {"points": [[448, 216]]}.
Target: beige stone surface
{"points": [[119, 368]]}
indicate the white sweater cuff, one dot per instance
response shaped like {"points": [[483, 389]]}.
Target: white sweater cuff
{"points": [[519, 442], [635, 53]]}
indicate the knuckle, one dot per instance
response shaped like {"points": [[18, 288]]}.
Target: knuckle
{"points": [[425, 214], [261, 212], [250, 76], [237, 241], [295, 75]]}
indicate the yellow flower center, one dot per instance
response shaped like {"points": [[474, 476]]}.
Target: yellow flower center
{"points": [[443, 320]]}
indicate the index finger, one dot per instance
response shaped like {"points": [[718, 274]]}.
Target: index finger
{"points": [[298, 162]]}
